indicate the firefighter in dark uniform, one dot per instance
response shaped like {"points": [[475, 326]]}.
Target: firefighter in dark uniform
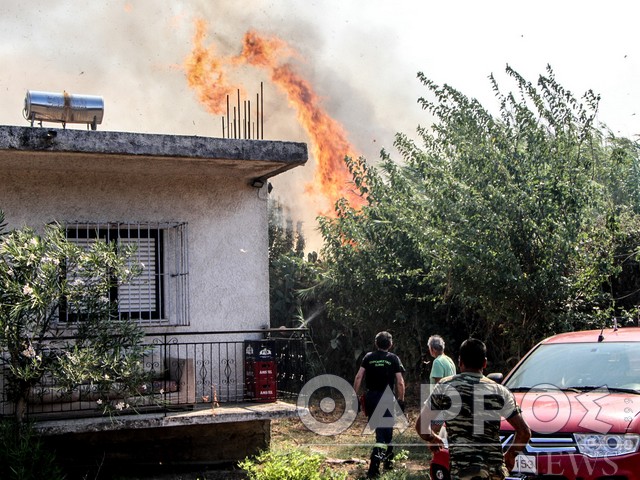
{"points": [[381, 371]]}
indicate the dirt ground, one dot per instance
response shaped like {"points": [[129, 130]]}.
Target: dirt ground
{"points": [[349, 451]]}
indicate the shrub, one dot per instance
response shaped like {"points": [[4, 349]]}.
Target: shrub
{"points": [[23, 455], [288, 465], [43, 275]]}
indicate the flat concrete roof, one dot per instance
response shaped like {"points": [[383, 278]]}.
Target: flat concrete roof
{"points": [[56, 148], [201, 415]]}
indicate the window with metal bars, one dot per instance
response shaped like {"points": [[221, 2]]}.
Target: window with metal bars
{"points": [[159, 295]]}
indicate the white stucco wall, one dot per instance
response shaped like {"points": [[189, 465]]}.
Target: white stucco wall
{"points": [[227, 224]]}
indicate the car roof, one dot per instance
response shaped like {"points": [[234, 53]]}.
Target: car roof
{"points": [[628, 334]]}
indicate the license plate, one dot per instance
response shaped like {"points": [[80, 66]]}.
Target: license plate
{"points": [[525, 464]]}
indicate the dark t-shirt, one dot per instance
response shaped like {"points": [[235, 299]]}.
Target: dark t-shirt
{"points": [[380, 370]]}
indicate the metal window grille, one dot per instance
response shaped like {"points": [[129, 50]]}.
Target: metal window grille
{"points": [[159, 295]]}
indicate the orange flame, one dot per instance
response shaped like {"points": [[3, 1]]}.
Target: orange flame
{"points": [[206, 73]]}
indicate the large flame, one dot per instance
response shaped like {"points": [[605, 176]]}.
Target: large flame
{"points": [[207, 75]]}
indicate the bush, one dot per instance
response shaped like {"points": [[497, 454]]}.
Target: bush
{"points": [[23, 456], [288, 465]]}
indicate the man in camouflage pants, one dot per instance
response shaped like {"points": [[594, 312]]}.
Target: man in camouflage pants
{"points": [[472, 406]]}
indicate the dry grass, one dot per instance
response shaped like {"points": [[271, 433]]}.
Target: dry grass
{"points": [[349, 451]]}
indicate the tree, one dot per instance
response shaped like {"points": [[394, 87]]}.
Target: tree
{"points": [[289, 271], [44, 275], [508, 227], [297, 296]]}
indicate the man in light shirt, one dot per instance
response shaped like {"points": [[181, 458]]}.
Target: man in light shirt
{"points": [[442, 365]]}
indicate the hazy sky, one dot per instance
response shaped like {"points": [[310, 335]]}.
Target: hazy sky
{"points": [[362, 57]]}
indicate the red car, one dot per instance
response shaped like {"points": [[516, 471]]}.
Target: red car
{"points": [[580, 394]]}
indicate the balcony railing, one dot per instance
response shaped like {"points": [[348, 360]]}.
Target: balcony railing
{"points": [[182, 370]]}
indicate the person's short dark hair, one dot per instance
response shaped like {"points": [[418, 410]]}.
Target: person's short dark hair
{"points": [[473, 353], [384, 340]]}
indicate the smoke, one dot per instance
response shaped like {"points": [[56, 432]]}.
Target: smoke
{"points": [[132, 53], [360, 59], [346, 90], [127, 54]]}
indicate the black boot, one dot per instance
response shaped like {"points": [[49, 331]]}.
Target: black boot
{"points": [[377, 456], [388, 459]]}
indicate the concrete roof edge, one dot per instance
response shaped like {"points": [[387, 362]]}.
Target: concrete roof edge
{"points": [[40, 139]]}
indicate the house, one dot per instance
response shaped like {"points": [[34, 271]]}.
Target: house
{"points": [[197, 210]]}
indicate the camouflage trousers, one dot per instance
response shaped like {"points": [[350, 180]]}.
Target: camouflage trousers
{"points": [[477, 473]]}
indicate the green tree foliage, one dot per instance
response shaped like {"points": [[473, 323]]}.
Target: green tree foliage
{"points": [[283, 240], [43, 275], [508, 227], [289, 271], [297, 293]]}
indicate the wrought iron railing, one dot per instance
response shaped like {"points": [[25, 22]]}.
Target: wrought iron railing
{"points": [[182, 370]]}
